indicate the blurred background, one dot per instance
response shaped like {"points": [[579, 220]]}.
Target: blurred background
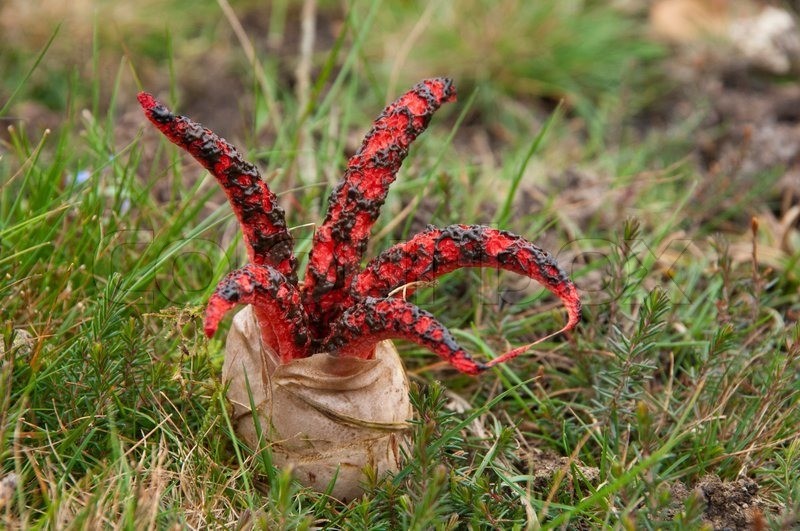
{"points": [[713, 79], [652, 97]]}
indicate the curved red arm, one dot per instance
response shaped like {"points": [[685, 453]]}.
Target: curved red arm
{"points": [[438, 251], [340, 241], [357, 331], [263, 222], [276, 301]]}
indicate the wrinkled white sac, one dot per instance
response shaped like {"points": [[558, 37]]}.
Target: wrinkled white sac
{"points": [[321, 415]]}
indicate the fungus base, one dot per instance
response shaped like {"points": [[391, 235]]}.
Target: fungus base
{"points": [[319, 415]]}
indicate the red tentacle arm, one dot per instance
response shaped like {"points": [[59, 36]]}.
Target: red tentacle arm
{"points": [[263, 222], [340, 241], [435, 252], [357, 331], [277, 303]]}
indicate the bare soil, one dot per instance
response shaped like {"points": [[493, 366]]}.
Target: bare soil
{"points": [[726, 505]]}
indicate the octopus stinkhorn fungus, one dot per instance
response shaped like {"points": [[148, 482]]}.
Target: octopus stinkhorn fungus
{"points": [[311, 371]]}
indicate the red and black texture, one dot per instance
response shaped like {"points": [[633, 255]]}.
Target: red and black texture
{"points": [[278, 306], [339, 309], [262, 220], [354, 205], [360, 327], [436, 252]]}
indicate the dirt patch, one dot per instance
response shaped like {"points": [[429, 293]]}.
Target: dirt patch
{"points": [[725, 505], [548, 468], [753, 127], [728, 505]]}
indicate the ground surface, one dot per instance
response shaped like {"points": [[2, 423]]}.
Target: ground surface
{"points": [[666, 184]]}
